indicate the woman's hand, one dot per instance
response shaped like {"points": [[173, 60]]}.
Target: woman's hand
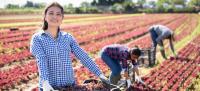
{"points": [[47, 86], [104, 78], [138, 79]]}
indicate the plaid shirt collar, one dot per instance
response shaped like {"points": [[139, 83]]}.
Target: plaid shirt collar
{"points": [[43, 32]]}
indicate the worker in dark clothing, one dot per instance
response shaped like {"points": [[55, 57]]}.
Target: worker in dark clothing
{"points": [[158, 34], [115, 54]]}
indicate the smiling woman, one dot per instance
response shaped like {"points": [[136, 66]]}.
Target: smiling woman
{"points": [[53, 16], [52, 49]]}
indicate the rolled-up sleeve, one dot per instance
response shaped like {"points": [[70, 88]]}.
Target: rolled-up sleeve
{"points": [[83, 57], [37, 51]]}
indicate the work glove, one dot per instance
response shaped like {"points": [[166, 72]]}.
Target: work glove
{"points": [[175, 56], [47, 87], [128, 83], [138, 79], [104, 79]]}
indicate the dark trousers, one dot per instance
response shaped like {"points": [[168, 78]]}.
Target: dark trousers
{"points": [[154, 36], [114, 66]]}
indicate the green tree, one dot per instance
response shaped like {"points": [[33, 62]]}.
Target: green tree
{"points": [[87, 8], [39, 5], [29, 4], [117, 8], [160, 5], [141, 3], [94, 3], [108, 2], [69, 8], [178, 2], [152, 3], [129, 6], [12, 6], [194, 3], [85, 4]]}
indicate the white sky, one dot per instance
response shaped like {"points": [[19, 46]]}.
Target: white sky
{"points": [[75, 3]]}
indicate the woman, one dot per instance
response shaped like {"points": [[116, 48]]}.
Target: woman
{"points": [[113, 54], [158, 34], [52, 47]]}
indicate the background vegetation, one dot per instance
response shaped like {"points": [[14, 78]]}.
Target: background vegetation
{"points": [[113, 6]]}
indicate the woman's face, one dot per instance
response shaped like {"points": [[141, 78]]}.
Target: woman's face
{"points": [[54, 16]]}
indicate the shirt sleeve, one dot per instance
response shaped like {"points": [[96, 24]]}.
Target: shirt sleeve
{"points": [[124, 64], [165, 33], [83, 57], [37, 51], [159, 39], [124, 60]]}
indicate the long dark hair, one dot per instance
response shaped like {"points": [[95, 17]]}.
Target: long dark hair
{"points": [[45, 23]]}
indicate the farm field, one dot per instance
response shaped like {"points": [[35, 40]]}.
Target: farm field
{"points": [[18, 69]]}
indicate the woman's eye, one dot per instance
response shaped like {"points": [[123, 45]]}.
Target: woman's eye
{"points": [[58, 14], [50, 13]]}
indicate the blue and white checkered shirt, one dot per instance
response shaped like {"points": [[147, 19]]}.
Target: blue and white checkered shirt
{"points": [[53, 58]]}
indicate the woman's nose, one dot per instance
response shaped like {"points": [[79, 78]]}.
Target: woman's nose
{"points": [[54, 16]]}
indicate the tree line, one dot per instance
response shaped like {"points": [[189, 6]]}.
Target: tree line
{"points": [[124, 6]]}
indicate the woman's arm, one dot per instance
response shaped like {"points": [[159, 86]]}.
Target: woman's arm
{"points": [[37, 50], [84, 58]]}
